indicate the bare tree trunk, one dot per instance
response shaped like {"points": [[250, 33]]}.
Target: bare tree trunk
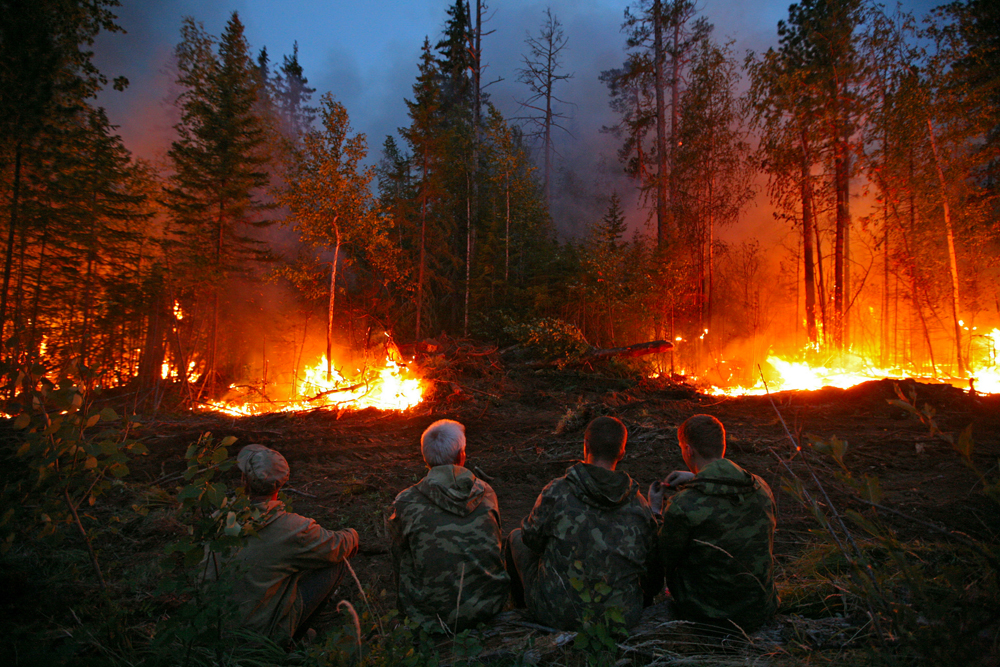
{"points": [[9, 254], [506, 239], [214, 344], [329, 312], [468, 252], [662, 232], [423, 248], [36, 299], [841, 186], [807, 244], [822, 293], [952, 257]]}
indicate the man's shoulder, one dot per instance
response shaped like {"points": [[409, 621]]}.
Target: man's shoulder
{"points": [[408, 495], [558, 490]]}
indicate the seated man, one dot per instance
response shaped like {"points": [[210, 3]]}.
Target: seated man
{"points": [[588, 544], [292, 565], [445, 533], [716, 541]]}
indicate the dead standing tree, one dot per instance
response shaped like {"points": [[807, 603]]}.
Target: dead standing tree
{"points": [[542, 72]]}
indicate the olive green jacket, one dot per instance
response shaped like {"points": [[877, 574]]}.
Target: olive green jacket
{"points": [[716, 545]]}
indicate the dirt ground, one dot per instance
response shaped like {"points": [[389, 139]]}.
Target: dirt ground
{"points": [[525, 429]]}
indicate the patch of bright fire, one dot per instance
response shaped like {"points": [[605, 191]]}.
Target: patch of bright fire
{"points": [[391, 387], [785, 375]]}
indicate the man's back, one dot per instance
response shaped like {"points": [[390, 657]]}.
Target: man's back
{"points": [[716, 543], [445, 534], [595, 536], [286, 547]]}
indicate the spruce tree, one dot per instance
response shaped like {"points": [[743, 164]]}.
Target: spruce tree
{"points": [[216, 192], [426, 141]]}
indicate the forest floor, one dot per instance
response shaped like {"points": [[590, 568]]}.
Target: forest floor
{"points": [[525, 428]]}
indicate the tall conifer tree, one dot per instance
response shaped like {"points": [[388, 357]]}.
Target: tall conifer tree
{"points": [[215, 194]]}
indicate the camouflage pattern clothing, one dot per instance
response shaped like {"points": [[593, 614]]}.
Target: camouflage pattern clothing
{"points": [[271, 565], [716, 543], [445, 533], [593, 536]]}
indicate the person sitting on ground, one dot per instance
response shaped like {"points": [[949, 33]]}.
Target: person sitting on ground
{"points": [[445, 540], [716, 541], [588, 545], [292, 565]]}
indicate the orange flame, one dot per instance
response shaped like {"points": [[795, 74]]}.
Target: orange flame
{"points": [[800, 375], [391, 387]]}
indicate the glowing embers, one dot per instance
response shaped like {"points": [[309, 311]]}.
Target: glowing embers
{"points": [[391, 387]]}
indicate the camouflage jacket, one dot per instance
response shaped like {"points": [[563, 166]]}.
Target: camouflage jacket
{"points": [[595, 536], [445, 533], [269, 566], [716, 543]]}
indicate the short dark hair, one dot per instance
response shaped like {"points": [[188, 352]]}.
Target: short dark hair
{"points": [[605, 438], [705, 435]]}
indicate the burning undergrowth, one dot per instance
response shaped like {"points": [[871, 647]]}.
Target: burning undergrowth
{"points": [[390, 383]]}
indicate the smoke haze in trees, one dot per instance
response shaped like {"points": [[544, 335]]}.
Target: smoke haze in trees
{"points": [[366, 55]]}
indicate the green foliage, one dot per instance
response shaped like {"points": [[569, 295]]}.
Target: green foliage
{"points": [[598, 637], [69, 453], [390, 641], [217, 523], [550, 338]]}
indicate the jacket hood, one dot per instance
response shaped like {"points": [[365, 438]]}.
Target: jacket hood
{"points": [[270, 510], [599, 487], [453, 488], [724, 478]]}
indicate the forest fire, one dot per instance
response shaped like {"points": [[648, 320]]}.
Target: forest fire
{"points": [[389, 387], [782, 374]]}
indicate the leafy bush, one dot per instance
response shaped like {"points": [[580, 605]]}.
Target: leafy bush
{"points": [[68, 455], [550, 338], [217, 523]]}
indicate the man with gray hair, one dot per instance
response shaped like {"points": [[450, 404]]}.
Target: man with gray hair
{"points": [[445, 533], [292, 565]]}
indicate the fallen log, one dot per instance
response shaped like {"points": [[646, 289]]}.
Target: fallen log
{"points": [[596, 354], [353, 387]]}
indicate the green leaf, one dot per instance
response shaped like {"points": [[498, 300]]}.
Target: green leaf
{"points": [[92, 419], [119, 470], [138, 448], [219, 455], [228, 440], [109, 415], [873, 490], [90, 463], [23, 420], [233, 527], [965, 444], [216, 494], [188, 492]]}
